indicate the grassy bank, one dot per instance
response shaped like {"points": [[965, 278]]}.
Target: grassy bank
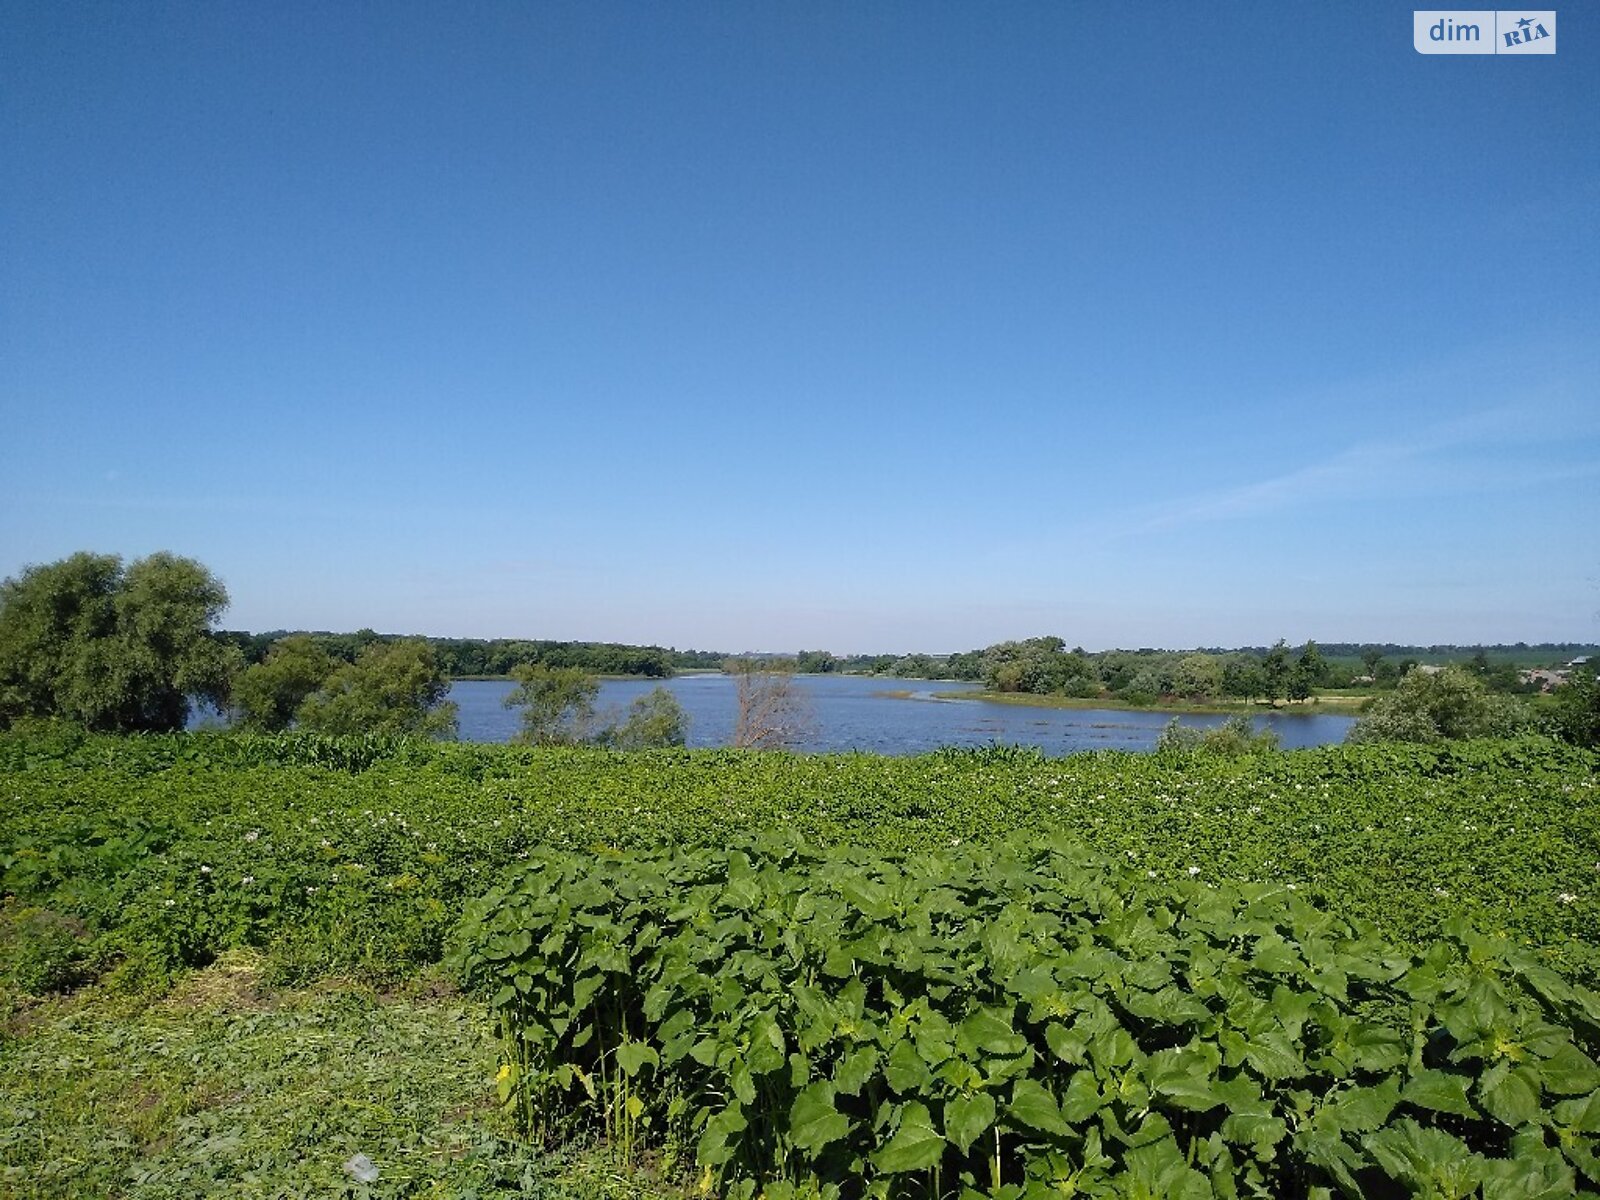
{"points": [[1340, 703], [227, 1086]]}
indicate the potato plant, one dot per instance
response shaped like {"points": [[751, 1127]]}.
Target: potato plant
{"points": [[357, 854]]}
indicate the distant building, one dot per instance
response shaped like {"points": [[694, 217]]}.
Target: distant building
{"points": [[1547, 680]]}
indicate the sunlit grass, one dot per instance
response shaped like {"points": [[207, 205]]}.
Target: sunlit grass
{"points": [[224, 1086]]}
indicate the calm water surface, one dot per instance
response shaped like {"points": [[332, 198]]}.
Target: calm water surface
{"points": [[852, 712]]}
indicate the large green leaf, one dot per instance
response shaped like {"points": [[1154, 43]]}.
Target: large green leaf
{"points": [[1274, 1056], [715, 1146], [1583, 1115], [1158, 1171], [905, 1070], [1185, 1076], [1069, 1045], [989, 1030], [871, 898], [851, 1075], [1082, 1099], [768, 1048], [1362, 1109], [1034, 1106], [1260, 1132], [1509, 1094], [1569, 1072], [1440, 1092], [916, 1144], [814, 1119], [632, 1057], [967, 1118], [1538, 1176]]}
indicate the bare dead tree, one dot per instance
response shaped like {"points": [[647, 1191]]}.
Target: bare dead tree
{"points": [[773, 711]]}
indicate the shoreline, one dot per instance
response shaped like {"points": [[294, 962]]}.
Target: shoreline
{"points": [[592, 675], [1316, 706]]}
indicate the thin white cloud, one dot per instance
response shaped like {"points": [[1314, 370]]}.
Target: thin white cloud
{"points": [[1442, 460]]}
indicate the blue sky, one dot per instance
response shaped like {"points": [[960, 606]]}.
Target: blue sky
{"points": [[874, 327]]}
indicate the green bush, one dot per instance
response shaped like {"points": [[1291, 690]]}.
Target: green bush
{"points": [[1436, 706], [1235, 736]]}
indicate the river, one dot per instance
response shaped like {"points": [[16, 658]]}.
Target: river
{"points": [[854, 712]]}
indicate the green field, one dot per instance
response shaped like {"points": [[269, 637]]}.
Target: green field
{"points": [[222, 956]]}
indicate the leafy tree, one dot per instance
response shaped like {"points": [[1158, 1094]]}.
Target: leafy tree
{"points": [[1371, 656], [1431, 706], [1144, 688], [557, 704], [815, 662], [1039, 665], [266, 696], [1308, 673], [1275, 672], [1243, 677], [915, 666], [393, 687], [1198, 676], [113, 649], [1577, 704], [968, 665], [654, 720], [558, 709]]}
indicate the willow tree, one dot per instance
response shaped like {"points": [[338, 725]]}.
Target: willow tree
{"points": [[113, 648]]}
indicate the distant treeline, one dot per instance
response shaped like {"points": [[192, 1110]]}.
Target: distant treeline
{"points": [[1033, 665], [1045, 666], [1519, 654], [460, 657]]}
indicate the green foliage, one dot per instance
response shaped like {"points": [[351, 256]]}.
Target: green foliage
{"points": [[1041, 664], [557, 708], [394, 687], [557, 705], [1309, 673], [1198, 677], [1236, 736], [1432, 706], [495, 656], [42, 951], [655, 721], [359, 852], [268, 694], [339, 856], [1275, 672], [228, 1088], [815, 662], [1029, 1014], [111, 648], [1577, 706], [301, 748]]}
